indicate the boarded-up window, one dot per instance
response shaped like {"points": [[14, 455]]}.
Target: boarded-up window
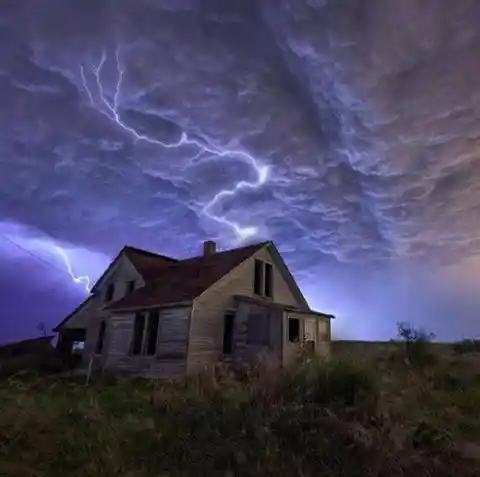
{"points": [[138, 327], [258, 329], [152, 333], [268, 280], [101, 338], [258, 278], [293, 330]]}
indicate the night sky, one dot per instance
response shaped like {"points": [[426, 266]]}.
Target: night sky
{"points": [[355, 123]]}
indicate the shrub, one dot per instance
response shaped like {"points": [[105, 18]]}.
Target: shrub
{"points": [[331, 382], [466, 346], [416, 345]]}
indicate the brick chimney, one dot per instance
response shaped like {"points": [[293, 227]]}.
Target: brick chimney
{"points": [[209, 248]]}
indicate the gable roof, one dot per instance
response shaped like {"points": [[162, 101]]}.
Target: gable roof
{"points": [[147, 264], [289, 279], [74, 312], [183, 281]]}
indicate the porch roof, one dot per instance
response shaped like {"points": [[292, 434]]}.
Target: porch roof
{"points": [[268, 303]]}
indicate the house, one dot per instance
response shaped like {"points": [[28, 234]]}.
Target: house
{"points": [[154, 315]]}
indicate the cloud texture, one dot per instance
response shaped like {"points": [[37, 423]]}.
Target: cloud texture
{"points": [[366, 113]]}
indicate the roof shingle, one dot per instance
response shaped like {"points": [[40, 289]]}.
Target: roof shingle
{"points": [[148, 264]]}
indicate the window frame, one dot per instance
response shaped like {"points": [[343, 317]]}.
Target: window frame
{"points": [[109, 292], [100, 342], [292, 319], [133, 341], [260, 274], [131, 286], [268, 279], [153, 316], [144, 339]]}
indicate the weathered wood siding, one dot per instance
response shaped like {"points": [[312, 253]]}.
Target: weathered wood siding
{"points": [[91, 313], [206, 333], [169, 360], [120, 275], [250, 353], [312, 327]]}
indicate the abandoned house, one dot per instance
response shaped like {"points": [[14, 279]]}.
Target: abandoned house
{"points": [[156, 316]]}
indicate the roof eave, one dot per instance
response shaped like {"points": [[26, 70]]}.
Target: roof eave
{"points": [[127, 309], [266, 302]]}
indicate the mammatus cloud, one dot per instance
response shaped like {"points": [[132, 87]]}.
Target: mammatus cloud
{"points": [[124, 122]]}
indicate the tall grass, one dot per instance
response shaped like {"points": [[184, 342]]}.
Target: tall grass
{"points": [[338, 418]]}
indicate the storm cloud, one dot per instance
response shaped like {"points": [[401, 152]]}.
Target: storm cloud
{"points": [[120, 121]]}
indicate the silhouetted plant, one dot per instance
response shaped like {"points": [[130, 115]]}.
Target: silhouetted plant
{"points": [[416, 344], [466, 346]]}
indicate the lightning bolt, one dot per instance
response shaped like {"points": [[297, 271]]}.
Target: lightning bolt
{"points": [[82, 280], [109, 106]]}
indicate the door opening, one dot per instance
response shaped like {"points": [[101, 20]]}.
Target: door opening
{"points": [[228, 332]]}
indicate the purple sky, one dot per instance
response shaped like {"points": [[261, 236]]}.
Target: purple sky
{"points": [[120, 122]]}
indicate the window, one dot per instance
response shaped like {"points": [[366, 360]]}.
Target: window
{"points": [[152, 333], [258, 329], [101, 338], [263, 279], [228, 325], [78, 346], [268, 280], [293, 330], [258, 278], [130, 286], [145, 333], [138, 328], [110, 292]]}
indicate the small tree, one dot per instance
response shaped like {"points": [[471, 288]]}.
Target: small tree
{"points": [[42, 328], [416, 344]]}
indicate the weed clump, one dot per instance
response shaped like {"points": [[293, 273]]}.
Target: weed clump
{"points": [[341, 382], [466, 346], [415, 344], [332, 418]]}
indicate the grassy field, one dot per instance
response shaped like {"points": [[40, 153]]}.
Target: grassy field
{"points": [[382, 415]]}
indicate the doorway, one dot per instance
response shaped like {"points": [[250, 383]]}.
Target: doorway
{"points": [[228, 326]]}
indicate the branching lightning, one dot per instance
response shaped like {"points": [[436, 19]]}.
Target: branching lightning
{"points": [[109, 106], [82, 280]]}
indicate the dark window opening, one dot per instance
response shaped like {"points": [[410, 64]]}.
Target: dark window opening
{"points": [[152, 332], [268, 280], [101, 338], [131, 286], [293, 330], [258, 278], [228, 332], [110, 292], [138, 327]]}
